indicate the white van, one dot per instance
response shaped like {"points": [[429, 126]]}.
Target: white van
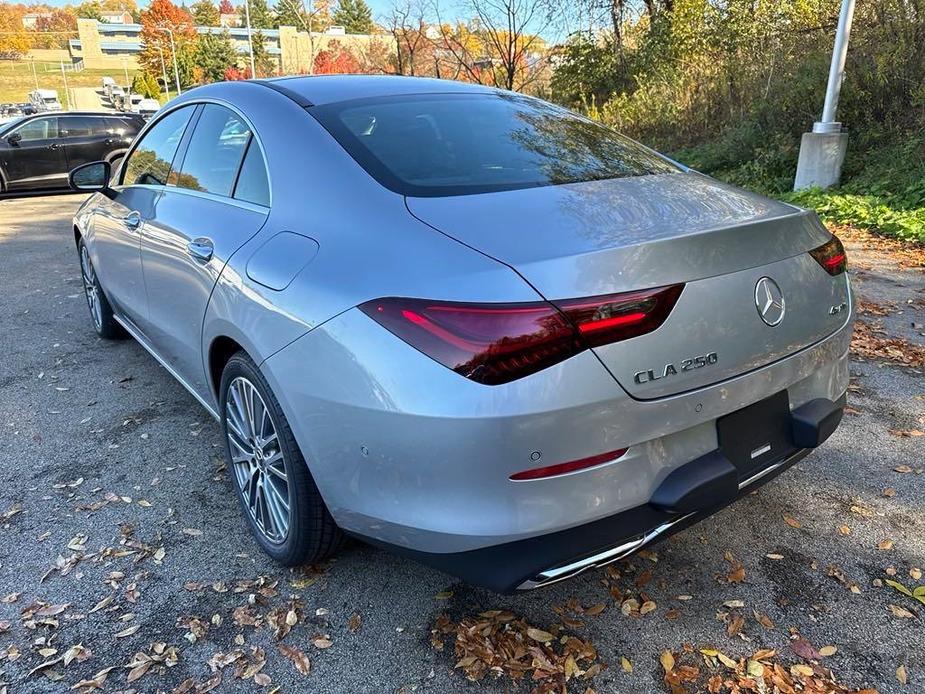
{"points": [[45, 100], [108, 83]]}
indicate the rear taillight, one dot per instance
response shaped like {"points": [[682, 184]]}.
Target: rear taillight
{"points": [[498, 343], [604, 319], [831, 256]]}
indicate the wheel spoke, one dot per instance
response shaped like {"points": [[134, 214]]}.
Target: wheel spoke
{"points": [[259, 464], [278, 509]]}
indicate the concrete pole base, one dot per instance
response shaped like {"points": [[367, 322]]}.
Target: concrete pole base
{"points": [[821, 159]]}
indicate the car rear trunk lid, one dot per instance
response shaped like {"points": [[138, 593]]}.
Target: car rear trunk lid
{"points": [[602, 237]]}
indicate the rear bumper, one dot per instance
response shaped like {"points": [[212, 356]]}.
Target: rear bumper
{"points": [[691, 493]]}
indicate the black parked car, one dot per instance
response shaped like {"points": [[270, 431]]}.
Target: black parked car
{"points": [[36, 152]]}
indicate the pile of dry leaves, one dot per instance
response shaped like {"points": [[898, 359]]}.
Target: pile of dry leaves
{"points": [[872, 342], [499, 643], [710, 670]]}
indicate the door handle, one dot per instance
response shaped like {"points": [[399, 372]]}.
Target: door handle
{"points": [[132, 220], [201, 249], [53, 145]]}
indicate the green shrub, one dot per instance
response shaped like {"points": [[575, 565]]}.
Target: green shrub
{"points": [[864, 211]]}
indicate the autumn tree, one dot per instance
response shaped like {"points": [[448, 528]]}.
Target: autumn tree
{"points": [[225, 7], [355, 16], [335, 60], [14, 40], [161, 15], [54, 31], [205, 13], [406, 22], [509, 32]]}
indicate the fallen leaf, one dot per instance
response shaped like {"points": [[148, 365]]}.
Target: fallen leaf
{"points": [[667, 661], [792, 522], [539, 635], [298, 658]]}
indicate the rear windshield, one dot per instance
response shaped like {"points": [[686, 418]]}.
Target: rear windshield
{"points": [[431, 145]]}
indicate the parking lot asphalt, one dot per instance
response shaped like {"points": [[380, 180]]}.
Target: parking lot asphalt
{"points": [[120, 534]]}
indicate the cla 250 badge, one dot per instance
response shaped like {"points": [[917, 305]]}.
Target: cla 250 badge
{"points": [[691, 364]]}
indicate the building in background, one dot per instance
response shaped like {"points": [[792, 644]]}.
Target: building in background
{"points": [[102, 45], [118, 17], [31, 20]]}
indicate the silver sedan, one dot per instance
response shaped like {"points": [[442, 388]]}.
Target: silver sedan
{"points": [[464, 324]]}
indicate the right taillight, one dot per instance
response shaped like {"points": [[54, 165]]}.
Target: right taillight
{"points": [[831, 256], [498, 343]]}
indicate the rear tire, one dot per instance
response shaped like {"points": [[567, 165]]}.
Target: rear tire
{"points": [[278, 496], [100, 310]]}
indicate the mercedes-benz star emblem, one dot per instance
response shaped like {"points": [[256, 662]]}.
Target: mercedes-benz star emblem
{"points": [[769, 300]]}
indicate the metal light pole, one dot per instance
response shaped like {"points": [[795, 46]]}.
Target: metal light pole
{"points": [[34, 74], [828, 123], [173, 50], [67, 94], [822, 151], [250, 40], [164, 72]]}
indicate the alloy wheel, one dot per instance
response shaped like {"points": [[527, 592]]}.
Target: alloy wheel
{"points": [[91, 287], [257, 459]]}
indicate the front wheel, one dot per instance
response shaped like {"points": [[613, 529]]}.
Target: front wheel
{"points": [[100, 310], [279, 498]]}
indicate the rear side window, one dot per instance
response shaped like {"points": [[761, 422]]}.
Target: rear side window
{"points": [[120, 126], [252, 183], [457, 144], [77, 126], [39, 129], [149, 163], [215, 151]]}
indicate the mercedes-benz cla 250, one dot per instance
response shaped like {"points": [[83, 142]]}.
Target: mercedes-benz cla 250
{"points": [[461, 323]]}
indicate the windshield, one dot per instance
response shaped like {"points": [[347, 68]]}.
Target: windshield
{"points": [[432, 145], [7, 126]]}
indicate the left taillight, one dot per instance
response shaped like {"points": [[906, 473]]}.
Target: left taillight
{"points": [[498, 343], [831, 256]]}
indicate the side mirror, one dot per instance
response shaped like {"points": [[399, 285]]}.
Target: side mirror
{"points": [[14, 139], [92, 177]]}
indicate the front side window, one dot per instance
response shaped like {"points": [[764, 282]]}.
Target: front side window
{"points": [[215, 151], [457, 144], [149, 163], [39, 129]]}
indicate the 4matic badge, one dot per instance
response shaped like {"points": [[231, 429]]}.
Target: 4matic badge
{"points": [[691, 364]]}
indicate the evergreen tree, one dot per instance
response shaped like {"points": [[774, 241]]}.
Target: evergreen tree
{"points": [[355, 16], [264, 63], [205, 13], [261, 16], [214, 54], [291, 13]]}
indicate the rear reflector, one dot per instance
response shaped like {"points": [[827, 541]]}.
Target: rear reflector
{"points": [[498, 343], [562, 468], [831, 256]]}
